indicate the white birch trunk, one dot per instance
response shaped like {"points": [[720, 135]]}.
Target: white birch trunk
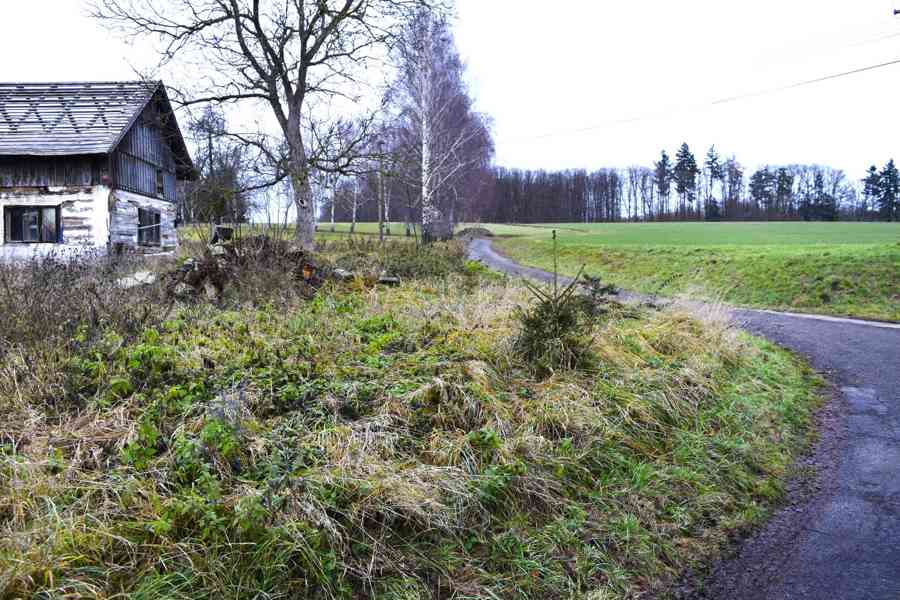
{"points": [[387, 211], [333, 202], [355, 204]]}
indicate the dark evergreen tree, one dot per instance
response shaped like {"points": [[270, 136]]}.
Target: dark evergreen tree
{"points": [[889, 192], [824, 204], [784, 188], [714, 172], [733, 186], [662, 176], [871, 191], [685, 175], [762, 190]]}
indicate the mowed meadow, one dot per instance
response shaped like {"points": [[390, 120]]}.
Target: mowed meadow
{"points": [[850, 269]]}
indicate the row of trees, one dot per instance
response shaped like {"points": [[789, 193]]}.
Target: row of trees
{"points": [[431, 152], [685, 189], [304, 67]]}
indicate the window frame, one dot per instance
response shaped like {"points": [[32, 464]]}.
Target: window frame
{"points": [[10, 210], [160, 183], [156, 223]]}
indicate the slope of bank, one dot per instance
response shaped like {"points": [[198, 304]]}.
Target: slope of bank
{"points": [[843, 279], [366, 441]]}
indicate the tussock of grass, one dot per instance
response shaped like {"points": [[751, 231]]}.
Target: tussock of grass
{"points": [[385, 443]]}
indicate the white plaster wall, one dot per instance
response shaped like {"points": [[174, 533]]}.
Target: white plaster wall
{"points": [[85, 208], [91, 225]]}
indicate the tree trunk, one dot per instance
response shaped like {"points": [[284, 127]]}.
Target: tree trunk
{"points": [[333, 193], [355, 205], [431, 216], [387, 211], [380, 205], [303, 196]]}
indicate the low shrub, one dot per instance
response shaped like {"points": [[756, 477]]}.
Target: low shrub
{"points": [[55, 306], [369, 257], [554, 332]]}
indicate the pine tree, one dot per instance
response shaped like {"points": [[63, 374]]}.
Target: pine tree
{"points": [[685, 175], [714, 172], [762, 190], [824, 205], [662, 177], [784, 186], [889, 193], [871, 190]]}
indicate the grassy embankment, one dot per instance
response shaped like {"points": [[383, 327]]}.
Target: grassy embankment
{"points": [[830, 268], [372, 442]]}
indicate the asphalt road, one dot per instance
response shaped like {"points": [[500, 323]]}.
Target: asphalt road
{"points": [[838, 536]]}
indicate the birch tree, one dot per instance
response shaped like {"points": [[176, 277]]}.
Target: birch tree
{"points": [[442, 130]]}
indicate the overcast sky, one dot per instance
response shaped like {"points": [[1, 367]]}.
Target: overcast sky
{"points": [[634, 77]]}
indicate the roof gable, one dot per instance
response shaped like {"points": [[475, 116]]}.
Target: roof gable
{"points": [[57, 119]]}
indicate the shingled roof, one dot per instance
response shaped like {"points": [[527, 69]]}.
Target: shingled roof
{"points": [[58, 119]]}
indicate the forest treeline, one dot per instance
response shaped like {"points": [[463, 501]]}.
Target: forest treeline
{"points": [[678, 188]]}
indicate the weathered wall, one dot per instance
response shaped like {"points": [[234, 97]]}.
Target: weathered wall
{"points": [[124, 219], [91, 217], [142, 152], [83, 212], [60, 171]]}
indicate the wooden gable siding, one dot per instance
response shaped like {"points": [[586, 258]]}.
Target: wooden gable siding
{"points": [[141, 153], [62, 171]]}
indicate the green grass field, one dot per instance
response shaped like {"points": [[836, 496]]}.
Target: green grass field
{"points": [[848, 269]]}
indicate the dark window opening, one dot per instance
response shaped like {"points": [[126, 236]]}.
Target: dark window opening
{"points": [[148, 228], [160, 184], [31, 224]]}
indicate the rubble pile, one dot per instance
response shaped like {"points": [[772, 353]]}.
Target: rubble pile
{"points": [[227, 258]]}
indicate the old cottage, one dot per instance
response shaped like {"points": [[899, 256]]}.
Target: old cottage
{"points": [[88, 166]]}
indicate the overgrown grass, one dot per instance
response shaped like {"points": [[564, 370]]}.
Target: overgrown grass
{"points": [[831, 268], [385, 443]]}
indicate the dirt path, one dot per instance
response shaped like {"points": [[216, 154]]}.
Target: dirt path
{"points": [[838, 537]]}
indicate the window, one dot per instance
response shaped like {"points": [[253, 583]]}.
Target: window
{"points": [[31, 224], [148, 227], [160, 184]]}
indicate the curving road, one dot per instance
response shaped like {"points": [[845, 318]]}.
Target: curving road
{"points": [[838, 537]]}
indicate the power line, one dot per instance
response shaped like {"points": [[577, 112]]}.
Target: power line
{"points": [[719, 101], [808, 82]]}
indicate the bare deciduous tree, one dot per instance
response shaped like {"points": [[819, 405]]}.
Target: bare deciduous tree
{"points": [[443, 134], [282, 53]]}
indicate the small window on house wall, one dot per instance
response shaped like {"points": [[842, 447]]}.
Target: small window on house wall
{"points": [[160, 184], [31, 224], [148, 228]]}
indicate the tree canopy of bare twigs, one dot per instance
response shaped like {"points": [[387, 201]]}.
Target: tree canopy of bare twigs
{"points": [[283, 54], [444, 139]]}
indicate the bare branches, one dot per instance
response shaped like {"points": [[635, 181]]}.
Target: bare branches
{"points": [[280, 52], [444, 137]]}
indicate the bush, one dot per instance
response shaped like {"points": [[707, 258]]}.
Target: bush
{"points": [[405, 259], [53, 306]]}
